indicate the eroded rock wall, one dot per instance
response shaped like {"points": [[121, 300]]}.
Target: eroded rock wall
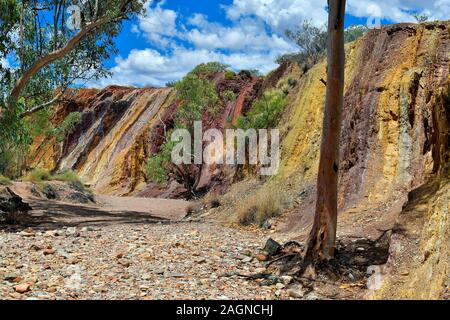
{"points": [[121, 128]]}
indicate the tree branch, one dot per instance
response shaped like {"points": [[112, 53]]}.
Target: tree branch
{"points": [[43, 106], [52, 57], [60, 53]]}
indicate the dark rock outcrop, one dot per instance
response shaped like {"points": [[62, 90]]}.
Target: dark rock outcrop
{"points": [[12, 206]]}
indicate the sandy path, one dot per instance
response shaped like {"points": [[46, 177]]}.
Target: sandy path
{"points": [[108, 210], [161, 208]]}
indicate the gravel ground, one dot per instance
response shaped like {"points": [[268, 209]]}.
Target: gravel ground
{"points": [[140, 261]]}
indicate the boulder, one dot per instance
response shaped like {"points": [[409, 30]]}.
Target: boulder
{"points": [[11, 206], [80, 197], [272, 247], [50, 192]]}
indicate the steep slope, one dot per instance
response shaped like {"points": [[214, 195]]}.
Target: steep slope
{"points": [[394, 148], [121, 127], [108, 142]]}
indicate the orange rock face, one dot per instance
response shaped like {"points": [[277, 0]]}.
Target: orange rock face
{"points": [[391, 141], [121, 128]]}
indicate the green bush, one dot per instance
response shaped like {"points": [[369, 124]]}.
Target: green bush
{"points": [[66, 176], [66, 126], [196, 93], [209, 68], [14, 138], [266, 111], [4, 180], [229, 95], [230, 75], [171, 84], [255, 72], [156, 170], [353, 33], [158, 165], [313, 42], [38, 175]]}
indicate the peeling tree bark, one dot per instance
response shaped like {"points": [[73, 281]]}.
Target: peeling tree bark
{"points": [[322, 239]]}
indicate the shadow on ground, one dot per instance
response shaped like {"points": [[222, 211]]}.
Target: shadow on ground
{"points": [[49, 215]]}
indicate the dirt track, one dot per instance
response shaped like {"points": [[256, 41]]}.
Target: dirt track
{"points": [[138, 248], [126, 248]]}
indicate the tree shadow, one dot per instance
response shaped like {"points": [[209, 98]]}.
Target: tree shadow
{"points": [[50, 215]]}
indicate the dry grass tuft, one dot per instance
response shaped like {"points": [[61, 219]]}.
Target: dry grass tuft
{"points": [[38, 175], [4, 180], [259, 208]]}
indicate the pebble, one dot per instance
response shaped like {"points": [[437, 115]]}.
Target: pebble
{"points": [[126, 261], [22, 288], [286, 279], [280, 286], [296, 292]]}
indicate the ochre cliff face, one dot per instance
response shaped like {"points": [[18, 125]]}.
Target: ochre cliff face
{"points": [[389, 136], [394, 151], [110, 139], [394, 165], [122, 127]]}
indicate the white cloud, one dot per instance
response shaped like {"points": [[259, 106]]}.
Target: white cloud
{"points": [[248, 35], [148, 67], [279, 14], [253, 39], [283, 14], [158, 24], [4, 63], [246, 44]]}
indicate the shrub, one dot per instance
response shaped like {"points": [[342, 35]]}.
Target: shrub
{"points": [[171, 84], [421, 18], [255, 72], [313, 41], [196, 94], [229, 75], [66, 126], [156, 169], [353, 33], [229, 96], [260, 208], [210, 68], [38, 175], [66, 176], [4, 180], [266, 111]]}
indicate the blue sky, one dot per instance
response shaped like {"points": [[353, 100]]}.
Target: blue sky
{"points": [[176, 35]]}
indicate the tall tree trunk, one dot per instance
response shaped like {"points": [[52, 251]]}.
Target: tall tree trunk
{"points": [[322, 239]]}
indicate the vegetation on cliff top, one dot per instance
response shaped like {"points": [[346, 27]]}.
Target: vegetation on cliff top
{"points": [[197, 94], [312, 42]]}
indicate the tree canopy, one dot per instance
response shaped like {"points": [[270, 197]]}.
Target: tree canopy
{"points": [[312, 42], [47, 46]]}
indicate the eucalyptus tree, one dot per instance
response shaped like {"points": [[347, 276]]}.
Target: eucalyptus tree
{"points": [[48, 46], [322, 239]]}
